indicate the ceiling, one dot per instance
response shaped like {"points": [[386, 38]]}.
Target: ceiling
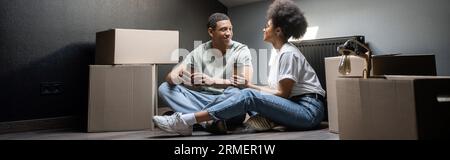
{"points": [[234, 3]]}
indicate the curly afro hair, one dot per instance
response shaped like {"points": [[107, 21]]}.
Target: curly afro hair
{"points": [[288, 16]]}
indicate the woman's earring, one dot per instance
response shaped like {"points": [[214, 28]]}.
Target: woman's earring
{"points": [[278, 31]]}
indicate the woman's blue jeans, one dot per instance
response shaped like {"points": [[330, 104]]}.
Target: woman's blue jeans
{"points": [[305, 113]]}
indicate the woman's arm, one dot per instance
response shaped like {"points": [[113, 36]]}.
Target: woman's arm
{"points": [[284, 87]]}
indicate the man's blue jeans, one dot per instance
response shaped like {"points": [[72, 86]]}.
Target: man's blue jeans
{"points": [[184, 100], [305, 113]]}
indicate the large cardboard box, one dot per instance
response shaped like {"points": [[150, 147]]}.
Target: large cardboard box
{"points": [[397, 64], [395, 107], [120, 98], [331, 74], [129, 46]]}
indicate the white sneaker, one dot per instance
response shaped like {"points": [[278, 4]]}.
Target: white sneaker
{"points": [[173, 124]]}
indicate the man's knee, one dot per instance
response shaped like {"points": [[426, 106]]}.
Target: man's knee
{"points": [[164, 88], [232, 91], [249, 92], [167, 89]]}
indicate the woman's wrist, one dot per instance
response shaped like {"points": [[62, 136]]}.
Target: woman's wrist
{"points": [[228, 82], [250, 85]]}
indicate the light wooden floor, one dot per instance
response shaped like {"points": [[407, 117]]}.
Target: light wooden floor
{"points": [[67, 134]]}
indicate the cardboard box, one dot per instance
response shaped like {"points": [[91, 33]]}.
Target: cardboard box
{"points": [[331, 74], [404, 64], [397, 64], [128, 46], [120, 98], [398, 107]]}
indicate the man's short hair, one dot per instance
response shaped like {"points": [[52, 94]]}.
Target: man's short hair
{"points": [[214, 18], [288, 16]]}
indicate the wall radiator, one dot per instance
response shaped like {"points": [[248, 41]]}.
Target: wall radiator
{"points": [[315, 52]]}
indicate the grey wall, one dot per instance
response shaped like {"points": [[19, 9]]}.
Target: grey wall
{"points": [[54, 41], [390, 26], [248, 23]]}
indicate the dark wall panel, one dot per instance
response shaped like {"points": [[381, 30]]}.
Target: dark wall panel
{"points": [[50, 43], [389, 26]]}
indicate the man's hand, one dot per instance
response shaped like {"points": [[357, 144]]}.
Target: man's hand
{"points": [[239, 82], [173, 79], [202, 79], [180, 78], [185, 78]]}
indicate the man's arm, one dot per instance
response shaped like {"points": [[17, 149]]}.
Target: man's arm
{"points": [[173, 78], [223, 83]]}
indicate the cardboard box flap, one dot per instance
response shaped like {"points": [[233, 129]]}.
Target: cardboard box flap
{"points": [[403, 77]]}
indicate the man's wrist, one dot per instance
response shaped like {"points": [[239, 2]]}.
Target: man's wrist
{"points": [[175, 79], [221, 82], [226, 82]]}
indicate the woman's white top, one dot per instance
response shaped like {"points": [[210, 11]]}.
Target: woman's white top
{"points": [[289, 63]]}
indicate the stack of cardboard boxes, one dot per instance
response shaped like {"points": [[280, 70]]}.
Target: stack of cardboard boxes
{"points": [[391, 64], [122, 84]]}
